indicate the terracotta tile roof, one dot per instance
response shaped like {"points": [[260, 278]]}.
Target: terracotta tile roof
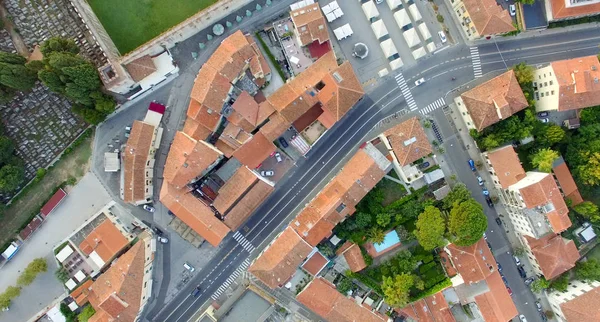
{"points": [[211, 89], [585, 307], [322, 298], [353, 256], [196, 130], [234, 188], [560, 10], [276, 126], [247, 204], [566, 182], [474, 263], [106, 240], [494, 100], [80, 294], [225, 147], [188, 159], [140, 68], [204, 115], [255, 151], [577, 80], [342, 90], [543, 192], [134, 161], [193, 213], [488, 17], [250, 110], [234, 136], [116, 296], [496, 305], [409, 141], [554, 254], [349, 186], [310, 24], [315, 263], [439, 308], [507, 165], [276, 265]]}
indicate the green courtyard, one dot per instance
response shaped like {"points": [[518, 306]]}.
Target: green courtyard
{"points": [[131, 23]]}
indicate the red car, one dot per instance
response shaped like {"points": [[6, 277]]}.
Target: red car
{"points": [[509, 291]]}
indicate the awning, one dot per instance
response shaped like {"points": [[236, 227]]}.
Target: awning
{"points": [[388, 48], [393, 4], [414, 12], [396, 63], [330, 17], [431, 47], [343, 32], [402, 18], [294, 60], [370, 10], [379, 29], [411, 37], [424, 31], [419, 52]]}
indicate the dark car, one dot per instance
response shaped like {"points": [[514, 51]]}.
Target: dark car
{"points": [[509, 291], [170, 213], [543, 114], [196, 291], [522, 272], [158, 231], [283, 142], [424, 165], [498, 221], [489, 245], [529, 281], [505, 281], [472, 165], [489, 201], [499, 267]]}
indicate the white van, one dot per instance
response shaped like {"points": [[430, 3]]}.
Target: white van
{"points": [[442, 37]]}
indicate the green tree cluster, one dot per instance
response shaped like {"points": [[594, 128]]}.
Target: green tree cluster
{"points": [[459, 193], [67, 73], [467, 222], [15, 75], [583, 154], [396, 289], [588, 210], [523, 73], [86, 313], [514, 128], [32, 270], [9, 294], [431, 227], [539, 285], [69, 315], [543, 159], [560, 283], [12, 172], [588, 270]]}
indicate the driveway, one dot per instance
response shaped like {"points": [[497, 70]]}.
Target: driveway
{"points": [[535, 15], [86, 199]]}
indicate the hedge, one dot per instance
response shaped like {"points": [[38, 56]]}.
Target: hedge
{"points": [[436, 288], [271, 57]]}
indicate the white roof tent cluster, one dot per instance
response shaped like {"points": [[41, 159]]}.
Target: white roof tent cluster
{"points": [[332, 11], [343, 32]]}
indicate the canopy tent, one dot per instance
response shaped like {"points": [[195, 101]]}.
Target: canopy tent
{"points": [[294, 60], [396, 63], [370, 10], [338, 13], [334, 5], [431, 47], [424, 32], [301, 4], [326, 9], [379, 29], [343, 32], [330, 17], [419, 52], [402, 18], [411, 37], [393, 4], [388, 48], [383, 72], [414, 12]]}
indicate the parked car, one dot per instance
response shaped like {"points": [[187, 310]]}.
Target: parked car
{"points": [[170, 213], [489, 201], [543, 316], [529, 281], [148, 208], [267, 173], [284, 143], [545, 120], [158, 231], [505, 281], [424, 165], [484, 236], [485, 191], [543, 114], [498, 221], [479, 181], [189, 267], [442, 37], [512, 9], [538, 306], [472, 165], [162, 240], [278, 157], [499, 267], [509, 291], [196, 291], [517, 260], [378, 1], [489, 245], [419, 81], [522, 318], [522, 272]]}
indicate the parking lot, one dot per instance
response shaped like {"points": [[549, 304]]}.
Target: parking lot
{"points": [[279, 168], [402, 33]]}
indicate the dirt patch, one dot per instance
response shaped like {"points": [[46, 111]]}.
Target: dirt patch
{"points": [[75, 165]]}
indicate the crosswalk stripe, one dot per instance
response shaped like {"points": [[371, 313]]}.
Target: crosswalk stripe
{"points": [[476, 61]]}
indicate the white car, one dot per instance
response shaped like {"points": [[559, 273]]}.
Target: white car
{"points": [[522, 318], [189, 267], [442, 37], [278, 157], [479, 180], [517, 260], [545, 120], [420, 81], [148, 208], [267, 173], [512, 9], [163, 240]]}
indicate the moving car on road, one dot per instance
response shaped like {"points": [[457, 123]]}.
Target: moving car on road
{"points": [[420, 81], [196, 291], [499, 222]]}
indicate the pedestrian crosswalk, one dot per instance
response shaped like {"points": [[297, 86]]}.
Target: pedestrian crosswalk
{"points": [[243, 241], [240, 270], [406, 92], [433, 106], [476, 62], [300, 144]]}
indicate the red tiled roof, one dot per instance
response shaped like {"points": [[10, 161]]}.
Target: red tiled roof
{"points": [[474, 263], [255, 151], [543, 192], [496, 305], [315, 263], [310, 24], [353, 256], [106, 240], [30, 228], [566, 182], [554, 254], [408, 141], [135, 157], [278, 262], [507, 165], [585, 307], [560, 10], [234, 188], [577, 80], [54, 201], [245, 206], [488, 17], [252, 111], [439, 308]]}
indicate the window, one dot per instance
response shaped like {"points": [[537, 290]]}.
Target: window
{"points": [[551, 82], [320, 85], [552, 92], [340, 208]]}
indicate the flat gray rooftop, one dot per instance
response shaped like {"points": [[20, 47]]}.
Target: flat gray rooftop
{"points": [[249, 308]]}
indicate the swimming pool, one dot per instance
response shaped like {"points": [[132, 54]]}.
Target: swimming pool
{"points": [[390, 240]]}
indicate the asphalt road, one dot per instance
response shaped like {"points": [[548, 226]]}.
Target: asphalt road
{"points": [[310, 174]]}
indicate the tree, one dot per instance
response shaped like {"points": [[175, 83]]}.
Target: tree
{"points": [[376, 235], [10, 293], [524, 73], [344, 285], [384, 219], [490, 142], [91, 116], [529, 2], [362, 220], [560, 283], [404, 234], [467, 222], [29, 274], [62, 275], [459, 194], [588, 210], [588, 270], [86, 313], [7, 147], [519, 251], [17, 77], [12, 59], [539, 285], [11, 177], [431, 228], [396, 289], [69, 315], [589, 173], [583, 154], [543, 159], [59, 44], [590, 115]]}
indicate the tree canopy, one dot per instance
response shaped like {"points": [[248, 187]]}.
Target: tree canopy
{"points": [[588, 210], [583, 154], [588, 270], [396, 289], [459, 193], [543, 159], [431, 227], [59, 44], [14, 74], [11, 177], [467, 222], [523, 72]]}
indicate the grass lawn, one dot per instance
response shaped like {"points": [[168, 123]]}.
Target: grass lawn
{"points": [[131, 23], [76, 164], [392, 191]]}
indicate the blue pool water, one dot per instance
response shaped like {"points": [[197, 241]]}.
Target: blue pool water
{"points": [[390, 240]]}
